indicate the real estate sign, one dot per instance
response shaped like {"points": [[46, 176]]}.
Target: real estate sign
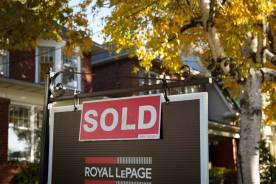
{"points": [[121, 119], [136, 140]]}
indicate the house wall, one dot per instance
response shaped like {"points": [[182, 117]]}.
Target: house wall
{"points": [[114, 75], [4, 118], [22, 95], [22, 65], [218, 106], [86, 67], [221, 153]]}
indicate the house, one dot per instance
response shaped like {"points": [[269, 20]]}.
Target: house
{"points": [[114, 71], [22, 92], [22, 76]]}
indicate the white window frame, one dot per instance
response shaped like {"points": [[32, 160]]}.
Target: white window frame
{"points": [[57, 59], [79, 84], [33, 109], [4, 52], [57, 63]]}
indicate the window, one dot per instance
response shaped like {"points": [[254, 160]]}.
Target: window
{"points": [[49, 54], [19, 116], [46, 58], [185, 89], [24, 132], [70, 64], [39, 118], [150, 79], [4, 64]]}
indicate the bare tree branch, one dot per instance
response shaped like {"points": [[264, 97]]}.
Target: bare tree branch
{"points": [[270, 37], [215, 6], [250, 46], [270, 55], [269, 74], [193, 23]]}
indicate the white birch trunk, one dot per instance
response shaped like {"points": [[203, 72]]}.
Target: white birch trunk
{"points": [[211, 31], [214, 42], [251, 107], [251, 117]]}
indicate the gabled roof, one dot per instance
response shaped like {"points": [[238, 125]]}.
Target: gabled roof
{"points": [[106, 57], [97, 48], [101, 55]]}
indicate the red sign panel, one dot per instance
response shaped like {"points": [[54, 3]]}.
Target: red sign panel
{"points": [[121, 119]]}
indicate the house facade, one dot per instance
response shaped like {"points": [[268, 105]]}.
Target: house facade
{"points": [[22, 76], [22, 93]]}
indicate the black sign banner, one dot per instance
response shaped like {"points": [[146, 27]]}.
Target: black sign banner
{"points": [[179, 156]]}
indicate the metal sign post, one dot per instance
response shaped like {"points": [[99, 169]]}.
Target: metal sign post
{"points": [[45, 134]]}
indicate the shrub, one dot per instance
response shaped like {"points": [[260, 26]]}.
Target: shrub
{"points": [[267, 165], [29, 174], [222, 175]]}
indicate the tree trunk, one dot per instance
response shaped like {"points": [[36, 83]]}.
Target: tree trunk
{"points": [[251, 98], [251, 117]]}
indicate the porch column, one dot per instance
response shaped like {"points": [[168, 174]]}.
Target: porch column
{"points": [[4, 128]]}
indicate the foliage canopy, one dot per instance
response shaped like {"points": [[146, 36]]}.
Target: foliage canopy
{"points": [[22, 22], [167, 30]]}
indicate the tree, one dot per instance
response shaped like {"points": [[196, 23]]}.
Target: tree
{"points": [[22, 22], [234, 38]]}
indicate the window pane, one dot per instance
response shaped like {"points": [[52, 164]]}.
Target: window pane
{"points": [[70, 64], [46, 57], [4, 63], [39, 118], [44, 68], [19, 132], [19, 116], [24, 134], [150, 79]]}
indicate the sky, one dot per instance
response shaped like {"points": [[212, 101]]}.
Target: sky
{"points": [[97, 25], [95, 21]]}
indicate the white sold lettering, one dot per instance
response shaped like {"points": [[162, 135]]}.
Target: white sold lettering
{"points": [[115, 119], [126, 126], [141, 118], [93, 123]]}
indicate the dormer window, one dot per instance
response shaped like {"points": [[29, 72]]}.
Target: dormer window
{"points": [[49, 54]]}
